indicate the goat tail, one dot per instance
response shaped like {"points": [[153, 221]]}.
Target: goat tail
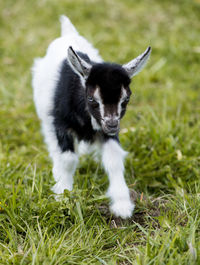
{"points": [[66, 26]]}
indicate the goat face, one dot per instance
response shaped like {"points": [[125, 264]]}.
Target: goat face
{"points": [[107, 95], [106, 88]]}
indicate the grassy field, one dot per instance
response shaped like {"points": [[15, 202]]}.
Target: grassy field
{"points": [[161, 131]]}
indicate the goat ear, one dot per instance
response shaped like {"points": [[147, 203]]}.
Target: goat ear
{"points": [[136, 65], [79, 65]]}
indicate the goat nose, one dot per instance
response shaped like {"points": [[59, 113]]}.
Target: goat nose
{"points": [[112, 124]]}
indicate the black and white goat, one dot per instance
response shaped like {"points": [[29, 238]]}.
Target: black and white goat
{"points": [[80, 99]]}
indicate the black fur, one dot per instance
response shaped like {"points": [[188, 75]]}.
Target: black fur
{"points": [[110, 78], [71, 109], [70, 115]]}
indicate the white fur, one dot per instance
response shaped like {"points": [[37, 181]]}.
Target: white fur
{"points": [[95, 125], [123, 96], [46, 69], [112, 158], [45, 76], [66, 26], [64, 166], [86, 148], [98, 98]]}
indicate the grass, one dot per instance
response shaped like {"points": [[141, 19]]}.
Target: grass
{"points": [[160, 131]]}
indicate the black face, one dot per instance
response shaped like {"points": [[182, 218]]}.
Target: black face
{"points": [[108, 93]]}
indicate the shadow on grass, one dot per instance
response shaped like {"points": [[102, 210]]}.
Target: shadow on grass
{"points": [[148, 212]]}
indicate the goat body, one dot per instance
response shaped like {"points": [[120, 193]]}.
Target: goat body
{"points": [[81, 99]]}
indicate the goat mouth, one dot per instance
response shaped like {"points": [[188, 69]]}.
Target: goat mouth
{"points": [[110, 132]]}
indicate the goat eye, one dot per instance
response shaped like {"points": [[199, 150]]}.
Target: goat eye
{"points": [[90, 99], [124, 104], [93, 102]]}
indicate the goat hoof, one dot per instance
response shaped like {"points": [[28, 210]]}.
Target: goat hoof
{"points": [[59, 188], [122, 208]]}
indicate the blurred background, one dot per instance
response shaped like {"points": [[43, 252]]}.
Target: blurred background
{"points": [[161, 132], [164, 109]]}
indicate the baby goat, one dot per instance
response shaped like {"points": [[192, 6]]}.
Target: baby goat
{"points": [[80, 99]]}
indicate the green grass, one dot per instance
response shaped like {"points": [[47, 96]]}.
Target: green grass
{"points": [[161, 131]]}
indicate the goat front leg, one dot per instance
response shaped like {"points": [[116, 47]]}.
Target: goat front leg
{"points": [[64, 166], [61, 148], [113, 162], [64, 162]]}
